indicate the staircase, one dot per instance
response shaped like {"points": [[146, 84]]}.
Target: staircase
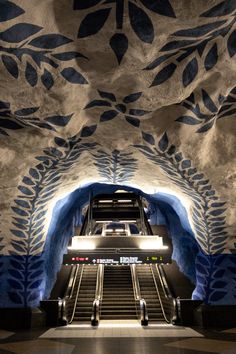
{"points": [[149, 293], [118, 296], [83, 310]]}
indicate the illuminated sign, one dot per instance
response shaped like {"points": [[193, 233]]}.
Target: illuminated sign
{"points": [[72, 258]]}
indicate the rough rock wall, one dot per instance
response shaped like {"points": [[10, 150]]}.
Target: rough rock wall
{"points": [[141, 93]]}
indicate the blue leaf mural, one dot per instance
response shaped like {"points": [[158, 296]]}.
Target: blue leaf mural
{"points": [[173, 163], [117, 167], [140, 22], [9, 10], [25, 117], [215, 110]]}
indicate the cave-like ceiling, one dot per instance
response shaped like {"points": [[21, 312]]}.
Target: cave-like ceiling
{"points": [[133, 92]]}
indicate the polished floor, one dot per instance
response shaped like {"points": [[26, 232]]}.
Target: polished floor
{"points": [[119, 338]]}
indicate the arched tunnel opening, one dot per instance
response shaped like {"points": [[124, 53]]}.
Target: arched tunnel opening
{"points": [[163, 209]]}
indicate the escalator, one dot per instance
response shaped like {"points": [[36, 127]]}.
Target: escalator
{"points": [[118, 296], [86, 295], [149, 291]]}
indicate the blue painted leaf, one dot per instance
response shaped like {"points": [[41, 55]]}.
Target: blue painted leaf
{"points": [[26, 111], [4, 105], [199, 30], [164, 74], [18, 233], [61, 142], [219, 240], [209, 104], [11, 65], [141, 23], [15, 274], [190, 72], [217, 212], [132, 97], [188, 120], [36, 265], [93, 22], [158, 61], [176, 45], [221, 9], [47, 79], [108, 115], [68, 56], [186, 164], [31, 75], [217, 205], [28, 181], [148, 138], [98, 103], [50, 41], [9, 124], [9, 10], [14, 297], [138, 112], [219, 284], [228, 113], [21, 221], [25, 190], [33, 296], [88, 131], [119, 44], [73, 76], [107, 95], [23, 203], [19, 32], [16, 264], [60, 121], [37, 247], [231, 44], [201, 269], [134, 121], [35, 284], [163, 142], [211, 58], [219, 273], [160, 7], [206, 127], [19, 211], [15, 284], [217, 295], [84, 4]]}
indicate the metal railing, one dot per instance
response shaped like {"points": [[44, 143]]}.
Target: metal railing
{"points": [[168, 302], [68, 294], [95, 318], [68, 304], [140, 303], [77, 294]]}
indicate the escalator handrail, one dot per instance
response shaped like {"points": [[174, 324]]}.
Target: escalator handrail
{"points": [[71, 284], [164, 283], [159, 296], [95, 318], [68, 293], [138, 298], [77, 294], [167, 292]]}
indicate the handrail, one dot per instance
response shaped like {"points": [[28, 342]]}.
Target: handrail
{"points": [[77, 294], [98, 296], [164, 283], [168, 293], [138, 298], [158, 294], [68, 293]]}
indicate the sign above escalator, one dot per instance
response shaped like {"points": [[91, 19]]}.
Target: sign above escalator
{"points": [[115, 258]]}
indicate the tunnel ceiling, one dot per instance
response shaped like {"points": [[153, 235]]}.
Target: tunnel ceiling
{"points": [[139, 93]]}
